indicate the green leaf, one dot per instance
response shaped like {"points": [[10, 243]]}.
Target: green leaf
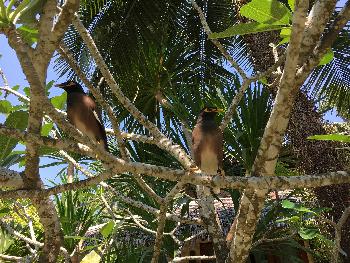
{"points": [[308, 233], [107, 229], [245, 28], [15, 87], [331, 137], [286, 32], [328, 57], [291, 4], [29, 35], [5, 106], [59, 101], [46, 128], [9, 6], [3, 15], [26, 91], [49, 86], [283, 41], [263, 80], [290, 219], [18, 120], [92, 257], [288, 204], [271, 12], [4, 211]]}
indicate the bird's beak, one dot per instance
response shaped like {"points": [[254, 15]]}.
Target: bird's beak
{"points": [[219, 110]]}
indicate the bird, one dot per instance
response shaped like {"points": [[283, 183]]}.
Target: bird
{"points": [[207, 143], [83, 114]]}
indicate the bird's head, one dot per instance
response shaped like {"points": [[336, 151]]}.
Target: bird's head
{"points": [[70, 86], [209, 112]]}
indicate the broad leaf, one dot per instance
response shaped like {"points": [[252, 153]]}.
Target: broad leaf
{"points": [[4, 211], [59, 101], [270, 12], [92, 257], [46, 128], [29, 35], [107, 229], [5, 106], [245, 28], [328, 57], [18, 120], [308, 233], [285, 32], [26, 91], [291, 4], [290, 205], [331, 137]]}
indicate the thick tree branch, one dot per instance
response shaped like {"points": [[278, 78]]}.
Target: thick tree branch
{"points": [[45, 207], [252, 202], [326, 42], [315, 25], [51, 34]]}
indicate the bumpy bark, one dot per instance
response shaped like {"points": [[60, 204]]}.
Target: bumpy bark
{"points": [[315, 156]]}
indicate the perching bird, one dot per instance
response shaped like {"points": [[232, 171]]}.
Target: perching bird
{"points": [[207, 143], [82, 113]]}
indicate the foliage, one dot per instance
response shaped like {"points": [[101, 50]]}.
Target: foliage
{"points": [[164, 52], [331, 137]]}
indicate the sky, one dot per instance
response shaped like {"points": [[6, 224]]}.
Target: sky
{"points": [[11, 67]]}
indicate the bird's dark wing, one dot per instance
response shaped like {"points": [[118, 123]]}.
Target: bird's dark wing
{"points": [[218, 137], [196, 144], [97, 126]]}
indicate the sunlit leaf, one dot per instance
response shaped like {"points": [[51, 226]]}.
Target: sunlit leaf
{"points": [[107, 229], [291, 4], [29, 35], [59, 101], [285, 32], [270, 12], [92, 257], [308, 233], [328, 57], [17, 120], [331, 137], [290, 205], [16, 87], [5, 106], [26, 91]]}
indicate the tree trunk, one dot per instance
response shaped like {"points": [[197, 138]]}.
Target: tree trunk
{"points": [[316, 156]]}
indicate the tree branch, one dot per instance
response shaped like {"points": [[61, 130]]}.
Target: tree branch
{"points": [[253, 201]]}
